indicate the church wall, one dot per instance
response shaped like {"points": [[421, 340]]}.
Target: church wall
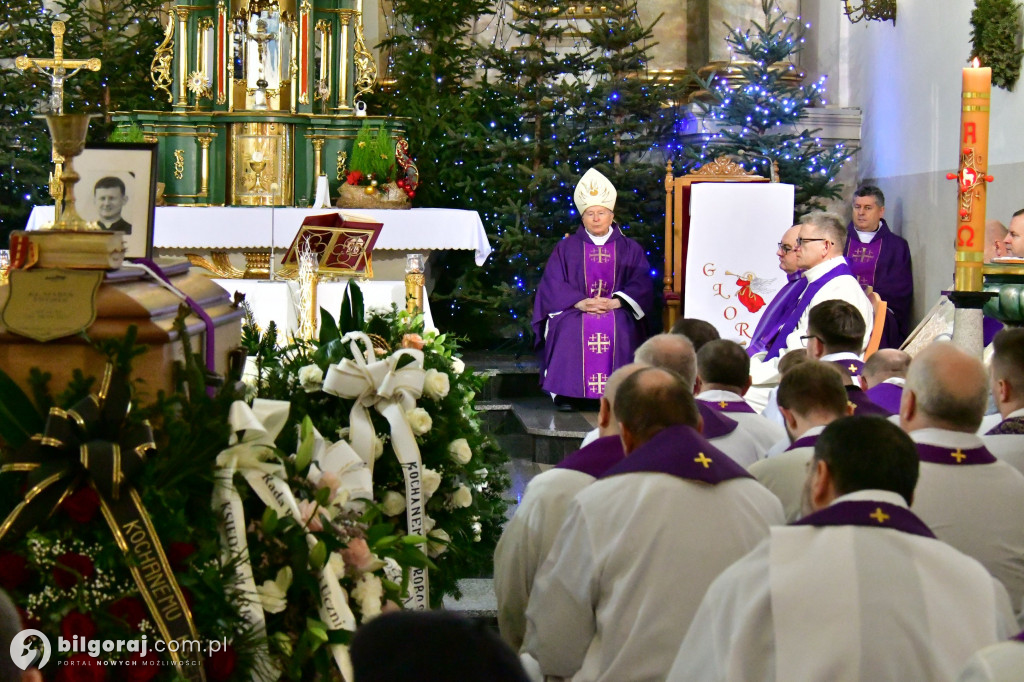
{"points": [[907, 78]]}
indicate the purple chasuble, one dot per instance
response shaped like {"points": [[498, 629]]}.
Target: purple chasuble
{"points": [[1009, 426], [729, 406], [568, 344], [680, 451], [862, 405], [868, 513], [852, 368], [598, 330], [803, 442], [796, 310], [938, 454], [595, 458], [886, 396], [775, 314], [716, 424], [1020, 636], [885, 264], [989, 328]]}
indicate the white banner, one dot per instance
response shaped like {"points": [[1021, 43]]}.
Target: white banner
{"points": [[732, 272]]}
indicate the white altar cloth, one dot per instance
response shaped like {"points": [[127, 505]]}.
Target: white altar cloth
{"points": [[264, 227], [277, 301]]}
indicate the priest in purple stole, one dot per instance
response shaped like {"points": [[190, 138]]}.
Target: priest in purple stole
{"points": [[774, 316], [881, 259], [594, 292]]}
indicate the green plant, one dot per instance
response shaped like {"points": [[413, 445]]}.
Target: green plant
{"points": [[995, 28]]}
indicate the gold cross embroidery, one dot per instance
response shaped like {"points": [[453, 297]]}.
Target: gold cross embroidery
{"points": [[861, 254], [852, 406], [599, 288], [599, 255], [852, 369], [703, 460], [959, 456], [723, 404], [598, 343], [879, 515], [597, 382]]}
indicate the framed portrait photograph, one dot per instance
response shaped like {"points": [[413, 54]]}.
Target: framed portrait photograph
{"points": [[117, 189]]}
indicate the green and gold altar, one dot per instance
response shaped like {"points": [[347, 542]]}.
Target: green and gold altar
{"points": [[266, 97]]}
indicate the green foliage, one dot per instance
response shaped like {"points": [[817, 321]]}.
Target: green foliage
{"points": [[373, 155], [995, 38], [755, 117]]}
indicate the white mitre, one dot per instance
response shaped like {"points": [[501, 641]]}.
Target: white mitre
{"points": [[594, 189]]}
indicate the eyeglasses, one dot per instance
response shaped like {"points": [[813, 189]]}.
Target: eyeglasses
{"points": [[786, 248], [800, 241], [803, 339]]}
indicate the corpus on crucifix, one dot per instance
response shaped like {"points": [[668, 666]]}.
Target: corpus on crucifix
{"points": [[56, 68]]}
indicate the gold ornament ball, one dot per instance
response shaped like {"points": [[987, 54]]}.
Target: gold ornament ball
{"points": [[370, 190]]}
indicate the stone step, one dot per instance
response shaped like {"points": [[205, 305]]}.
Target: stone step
{"points": [[554, 434]]}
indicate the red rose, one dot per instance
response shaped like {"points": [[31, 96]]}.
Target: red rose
{"points": [[220, 664], [81, 668], [128, 609], [76, 623], [81, 506], [178, 554], [72, 568], [354, 177], [13, 570], [139, 668]]}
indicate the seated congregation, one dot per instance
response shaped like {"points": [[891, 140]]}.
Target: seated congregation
{"points": [[862, 527]]}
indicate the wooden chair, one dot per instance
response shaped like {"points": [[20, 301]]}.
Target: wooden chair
{"points": [[677, 224], [878, 306]]}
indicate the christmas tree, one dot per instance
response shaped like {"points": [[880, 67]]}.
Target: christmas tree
{"points": [[995, 25], [755, 117]]}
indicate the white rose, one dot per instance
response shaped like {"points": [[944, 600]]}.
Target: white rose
{"points": [[311, 378], [378, 447], [459, 451], [428, 524], [393, 503], [336, 564], [436, 549], [458, 366], [419, 421], [431, 482], [435, 384], [462, 497], [273, 593], [368, 592]]}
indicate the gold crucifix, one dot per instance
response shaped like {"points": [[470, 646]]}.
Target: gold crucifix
{"points": [[56, 68]]}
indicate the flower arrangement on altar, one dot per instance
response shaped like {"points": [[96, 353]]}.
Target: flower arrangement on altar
{"points": [[381, 173], [347, 476]]}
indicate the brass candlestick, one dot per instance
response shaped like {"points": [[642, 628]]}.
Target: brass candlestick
{"points": [[68, 133]]}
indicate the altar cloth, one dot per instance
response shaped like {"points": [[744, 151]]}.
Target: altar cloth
{"points": [[265, 227]]}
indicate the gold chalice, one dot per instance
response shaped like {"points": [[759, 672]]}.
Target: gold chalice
{"points": [[68, 131], [257, 168]]}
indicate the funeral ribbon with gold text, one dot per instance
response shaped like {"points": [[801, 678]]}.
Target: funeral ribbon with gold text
{"points": [[89, 444]]}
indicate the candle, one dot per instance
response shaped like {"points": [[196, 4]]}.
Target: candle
{"points": [[972, 178]]}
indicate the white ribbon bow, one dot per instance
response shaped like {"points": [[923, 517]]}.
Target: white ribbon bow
{"points": [[392, 391]]}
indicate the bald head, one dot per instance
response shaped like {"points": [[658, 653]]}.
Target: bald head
{"points": [[651, 400], [995, 236], [670, 351], [606, 423], [883, 364], [946, 388]]}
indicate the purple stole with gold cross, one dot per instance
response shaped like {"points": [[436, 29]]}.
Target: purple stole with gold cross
{"points": [[598, 330], [863, 260], [939, 454], [680, 451], [870, 513], [735, 406]]}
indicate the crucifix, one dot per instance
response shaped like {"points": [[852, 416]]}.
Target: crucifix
{"points": [[57, 70]]}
